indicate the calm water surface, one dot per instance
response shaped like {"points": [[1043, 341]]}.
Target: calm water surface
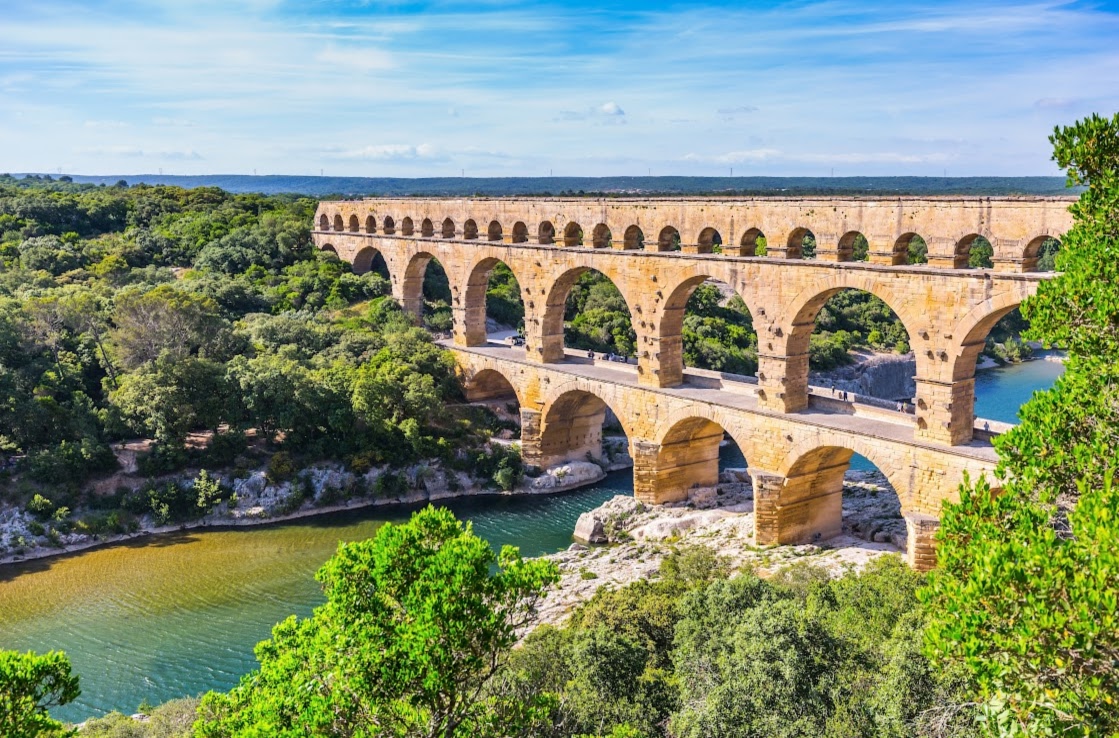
{"points": [[179, 614]]}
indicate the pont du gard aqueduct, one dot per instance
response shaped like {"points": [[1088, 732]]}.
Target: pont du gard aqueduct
{"points": [[797, 440]]}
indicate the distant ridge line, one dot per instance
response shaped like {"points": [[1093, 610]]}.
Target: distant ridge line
{"points": [[601, 186]]}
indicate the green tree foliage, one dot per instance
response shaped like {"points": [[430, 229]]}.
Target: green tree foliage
{"points": [[172, 719], [719, 334], [503, 297], [597, 317], [30, 685], [1027, 598], [418, 621]]}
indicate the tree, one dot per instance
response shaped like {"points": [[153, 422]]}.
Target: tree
{"points": [[31, 684], [1027, 595], [167, 319], [417, 622]]}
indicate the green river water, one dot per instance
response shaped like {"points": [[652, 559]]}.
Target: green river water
{"points": [[178, 614]]}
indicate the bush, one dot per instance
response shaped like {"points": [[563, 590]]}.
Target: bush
{"points": [[281, 467]]}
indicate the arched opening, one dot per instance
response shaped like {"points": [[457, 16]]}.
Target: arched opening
{"points": [[601, 237], [330, 249], [406, 227], [579, 426], [448, 228], [910, 248], [858, 350], [324, 222], [520, 232], [669, 239], [370, 224], [573, 234], [831, 491], [493, 232], [586, 311], [489, 385], [370, 259], [753, 243], [427, 293], [494, 305], [1041, 255], [709, 326], [546, 233], [689, 460], [710, 241], [470, 230], [390, 225], [634, 238], [338, 225], [853, 246], [492, 391], [354, 226], [974, 252], [801, 244]]}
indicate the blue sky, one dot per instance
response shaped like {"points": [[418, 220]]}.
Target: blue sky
{"points": [[575, 88]]}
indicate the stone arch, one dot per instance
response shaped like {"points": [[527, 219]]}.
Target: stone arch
{"points": [[601, 238], [330, 248], [795, 244], [973, 330], [573, 234], [370, 224], [803, 311], [748, 246], [520, 232], [670, 330], [809, 503], [474, 299], [847, 247], [338, 224], [1032, 253], [412, 287], [354, 225], [571, 426], [669, 239], [546, 233], [448, 228], [470, 229], [634, 238], [324, 222], [493, 232], [965, 250], [407, 228], [686, 456], [427, 228], [555, 305], [708, 239], [390, 226], [369, 259], [901, 249], [490, 385]]}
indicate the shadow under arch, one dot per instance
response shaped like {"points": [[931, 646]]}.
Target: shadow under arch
{"points": [[555, 307], [1038, 256], [688, 455], [748, 246], [671, 327], [853, 246], [370, 259], [412, 288], [571, 428], [520, 232], [633, 239], [910, 248], [475, 298], [490, 385], [324, 222], [427, 228], [973, 251], [809, 506], [709, 238], [354, 225], [329, 248], [407, 228]]}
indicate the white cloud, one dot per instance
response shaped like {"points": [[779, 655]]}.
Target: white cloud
{"points": [[353, 59], [386, 152]]}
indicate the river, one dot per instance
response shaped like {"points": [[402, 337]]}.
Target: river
{"points": [[179, 614]]}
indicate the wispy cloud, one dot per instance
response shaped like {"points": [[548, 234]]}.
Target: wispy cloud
{"points": [[505, 87]]}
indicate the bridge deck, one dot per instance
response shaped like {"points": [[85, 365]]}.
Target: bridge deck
{"points": [[824, 412]]}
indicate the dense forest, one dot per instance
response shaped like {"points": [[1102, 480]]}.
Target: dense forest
{"points": [[207, 323]]}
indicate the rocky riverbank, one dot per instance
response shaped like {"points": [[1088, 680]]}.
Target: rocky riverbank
{"points": [[316, 490], [631, 539]]}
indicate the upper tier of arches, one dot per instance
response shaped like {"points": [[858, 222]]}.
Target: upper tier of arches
{"points": [[1008, 233]]}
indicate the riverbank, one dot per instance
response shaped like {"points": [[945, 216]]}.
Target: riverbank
{"points": [[626, 540], [318, 490]]}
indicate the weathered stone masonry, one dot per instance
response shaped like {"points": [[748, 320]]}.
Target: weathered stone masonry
{"points": [[547, 243]]}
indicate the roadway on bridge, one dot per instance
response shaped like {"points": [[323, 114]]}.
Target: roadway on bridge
{"points": [[711, 387]]}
